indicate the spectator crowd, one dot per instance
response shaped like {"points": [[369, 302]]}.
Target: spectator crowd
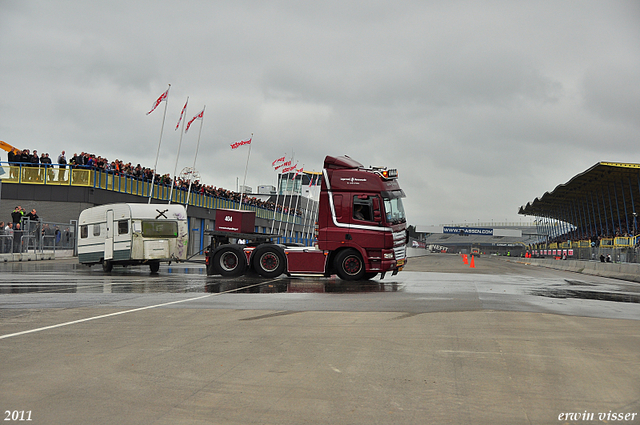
{"points": [[38, 165]]}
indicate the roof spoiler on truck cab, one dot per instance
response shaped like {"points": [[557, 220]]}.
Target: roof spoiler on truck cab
{"points": [[341, 162]]}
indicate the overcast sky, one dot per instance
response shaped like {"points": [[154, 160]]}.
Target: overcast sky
{"points": [[481, 106]]}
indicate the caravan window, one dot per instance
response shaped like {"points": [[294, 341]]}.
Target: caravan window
{"points": [[96, 230], [159, 229], [84, 231], [123, 227]]}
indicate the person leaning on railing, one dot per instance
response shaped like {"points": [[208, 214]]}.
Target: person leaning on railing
{"points": [[62, 165]]}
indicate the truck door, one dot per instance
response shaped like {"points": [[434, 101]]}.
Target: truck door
{"points": [[108, 241], [365, 222]]}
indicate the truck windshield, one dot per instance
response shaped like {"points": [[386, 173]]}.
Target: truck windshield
{"points": [[159, 229], [394, 209]]}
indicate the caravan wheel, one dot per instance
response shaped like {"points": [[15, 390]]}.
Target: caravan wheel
{"points": [[154, 266], [107, 266]]}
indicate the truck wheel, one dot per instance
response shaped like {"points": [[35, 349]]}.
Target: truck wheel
{"points": [[229, 261], [368, 276], [107, 266], [154, 266], [349, 265], [268, 261]]}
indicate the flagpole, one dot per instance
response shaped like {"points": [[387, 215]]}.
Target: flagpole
{"points": [[175, 168], [284, 201], [293, 187], [155, 166], [306, 210], [196, 155], [295, 209], [246, 167], [275, 208]]}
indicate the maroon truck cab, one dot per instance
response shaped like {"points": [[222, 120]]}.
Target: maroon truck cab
{"points": [[361, 211], [361, 230]]}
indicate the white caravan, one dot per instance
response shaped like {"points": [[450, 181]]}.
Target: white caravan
{"points": [[131, 234]]}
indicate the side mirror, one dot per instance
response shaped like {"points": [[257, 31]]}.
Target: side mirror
{"points": [[377, 214]]}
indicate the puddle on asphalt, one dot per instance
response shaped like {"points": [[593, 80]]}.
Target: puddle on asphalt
{"points": [[586, 294]]}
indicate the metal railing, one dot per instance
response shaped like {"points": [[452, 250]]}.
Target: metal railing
{"points": [[38, 237], [52, 174]]}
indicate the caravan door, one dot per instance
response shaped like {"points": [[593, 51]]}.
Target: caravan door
{"points": [[108, 241]]}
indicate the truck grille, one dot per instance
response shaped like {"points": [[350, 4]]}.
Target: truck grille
{"points": [[399, 252], [399, 249]]}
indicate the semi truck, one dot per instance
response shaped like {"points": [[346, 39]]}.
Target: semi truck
{"points": [[360, 231]]}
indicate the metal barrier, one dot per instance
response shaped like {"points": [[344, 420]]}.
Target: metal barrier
{"points": [[623, 242], [46, 174], [38, 236]]}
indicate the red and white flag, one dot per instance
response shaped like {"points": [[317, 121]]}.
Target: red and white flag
{"points": [[277, 161], [298, 172], [197, 117], [311, 179], [182, 113], [236, 145], [284, 164], [289, 169], [163, 97]]}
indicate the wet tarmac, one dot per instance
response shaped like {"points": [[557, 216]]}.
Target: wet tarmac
{"points": [[501, 343], [449, 285]]}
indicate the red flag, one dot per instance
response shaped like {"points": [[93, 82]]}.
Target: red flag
{"points": [[163, 97], [197, 117], [236, 145], [298, 172], [182, 113], [273, 164]]}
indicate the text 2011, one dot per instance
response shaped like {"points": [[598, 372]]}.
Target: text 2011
{"points": [[17, 415]]}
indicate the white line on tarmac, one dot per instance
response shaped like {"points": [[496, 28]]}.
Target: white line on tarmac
{"points": [[59, 325]]}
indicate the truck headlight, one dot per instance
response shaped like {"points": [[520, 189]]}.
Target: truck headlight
{"points": [[388, 255]]}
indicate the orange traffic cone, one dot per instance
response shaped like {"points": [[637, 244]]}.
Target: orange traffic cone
{"points": [[473, 264], [465, 260]]}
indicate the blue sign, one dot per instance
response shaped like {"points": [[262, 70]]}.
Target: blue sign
{"points": [[468, 231]]}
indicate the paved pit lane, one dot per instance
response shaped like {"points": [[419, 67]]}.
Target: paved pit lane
{"points": [[501, 343]]}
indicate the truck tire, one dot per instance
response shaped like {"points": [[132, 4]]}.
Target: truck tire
{"points": [[107, 266], [268, 261], [229, 261], [154, 266], [349, 265]]}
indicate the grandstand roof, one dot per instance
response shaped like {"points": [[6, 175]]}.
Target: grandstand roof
{"points": [[613, 184]]}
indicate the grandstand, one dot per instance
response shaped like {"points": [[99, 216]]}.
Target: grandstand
{"points": [[594, 214]]}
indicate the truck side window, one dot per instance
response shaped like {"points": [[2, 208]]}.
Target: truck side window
{"points": [[362, 208], [123, 227]]}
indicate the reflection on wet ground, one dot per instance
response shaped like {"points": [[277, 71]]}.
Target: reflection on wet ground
{"points": [[241, 285], [302, 285], [512, 287]]}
